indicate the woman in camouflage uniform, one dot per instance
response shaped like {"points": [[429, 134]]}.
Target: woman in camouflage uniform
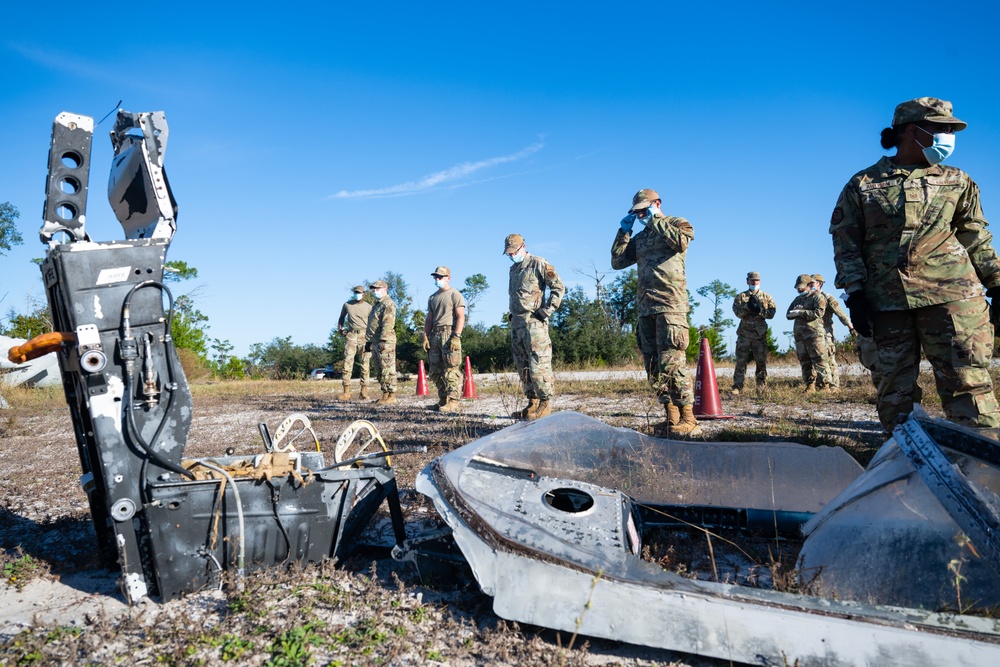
{"points": [[912, 251]]}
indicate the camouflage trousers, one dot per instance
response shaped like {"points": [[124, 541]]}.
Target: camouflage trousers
{"points": [[532, 348], [445, 365], [868, 356], [748, 347], [354, 345], [384, 356], [663, 345], [811, 349], [833, 380], [957, 339]]}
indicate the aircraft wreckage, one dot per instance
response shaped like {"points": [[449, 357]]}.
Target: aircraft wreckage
{"points": [[551, 516], [173, 524], [556, 518]]}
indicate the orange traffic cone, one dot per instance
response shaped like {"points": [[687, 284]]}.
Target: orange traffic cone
{"points": [[707, 403], [421, 380], [469, 388]]}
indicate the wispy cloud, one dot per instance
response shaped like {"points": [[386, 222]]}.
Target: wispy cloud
{"points": [[75, 66], [439, 179]]}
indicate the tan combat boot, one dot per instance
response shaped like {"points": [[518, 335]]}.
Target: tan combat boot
{"points": [[388, 398], [450, 405], [346, 396], [525, 411], [673, 415], [544, 409], [810, 388], [688, 426], [736, 391], [364, 393]]}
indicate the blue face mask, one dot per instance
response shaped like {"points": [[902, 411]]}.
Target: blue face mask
{"points": [[438, 283], [941, 148], [518, 258], [754, 288], [358, 297]]}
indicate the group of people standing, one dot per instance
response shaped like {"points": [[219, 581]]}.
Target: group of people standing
{"points": [[535, 293], [913, 254], [911, 250], [812, 311]]}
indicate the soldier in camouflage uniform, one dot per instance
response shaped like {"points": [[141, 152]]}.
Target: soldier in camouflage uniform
{"points": [[530, 275], [833, 309], [380, 340], [810, 336], [443, 339], [659, 250], [754, 308], [912, 251], [352, 323]]}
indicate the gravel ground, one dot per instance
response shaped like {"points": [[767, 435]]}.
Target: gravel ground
{"points": [[44, 516]]}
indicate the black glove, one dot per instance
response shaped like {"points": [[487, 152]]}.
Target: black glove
{"points": [[368, 347], [860, 317], [753, 305], [994, 294], [541, 314]]}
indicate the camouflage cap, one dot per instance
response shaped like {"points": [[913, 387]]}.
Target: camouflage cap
{"points": [[803, 280], [379, 284], [359, 289], [929, 109], [441, 272], [643, 198], [818, 278], [512, 243], [753, 275]]}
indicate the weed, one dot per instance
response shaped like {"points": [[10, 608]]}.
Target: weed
{"points": [[291, 648], [21, 570], [232, 647]]}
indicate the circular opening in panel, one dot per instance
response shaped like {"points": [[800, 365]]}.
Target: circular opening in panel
{"points": [[65, 212], [569, 500], [69, 186], [72, 160]]}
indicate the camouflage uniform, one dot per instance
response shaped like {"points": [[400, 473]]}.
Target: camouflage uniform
{"points": [[810, 337], [529, 323], [751, 335], [914, 239], [353, 322], [833, 309], [445, 363], [659, 252], [381, 334]]}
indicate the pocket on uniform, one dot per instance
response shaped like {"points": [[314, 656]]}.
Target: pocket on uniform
{"points": [[676, 337], [454, 359], [972, 341]]}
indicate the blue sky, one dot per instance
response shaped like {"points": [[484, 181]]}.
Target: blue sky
{"points": [[315, 145]]}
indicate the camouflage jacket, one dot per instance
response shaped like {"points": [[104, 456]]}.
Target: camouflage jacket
{"points": [[382, 322], [810, 321], [833, 309], [751, 324], [912, 237], [659, 251], [528, 281]]}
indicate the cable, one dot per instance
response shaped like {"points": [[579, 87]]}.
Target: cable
{"points": [[129, 352], [241, 554]]}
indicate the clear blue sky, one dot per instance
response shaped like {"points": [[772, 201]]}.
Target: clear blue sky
{"points": [[315, 145]]}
